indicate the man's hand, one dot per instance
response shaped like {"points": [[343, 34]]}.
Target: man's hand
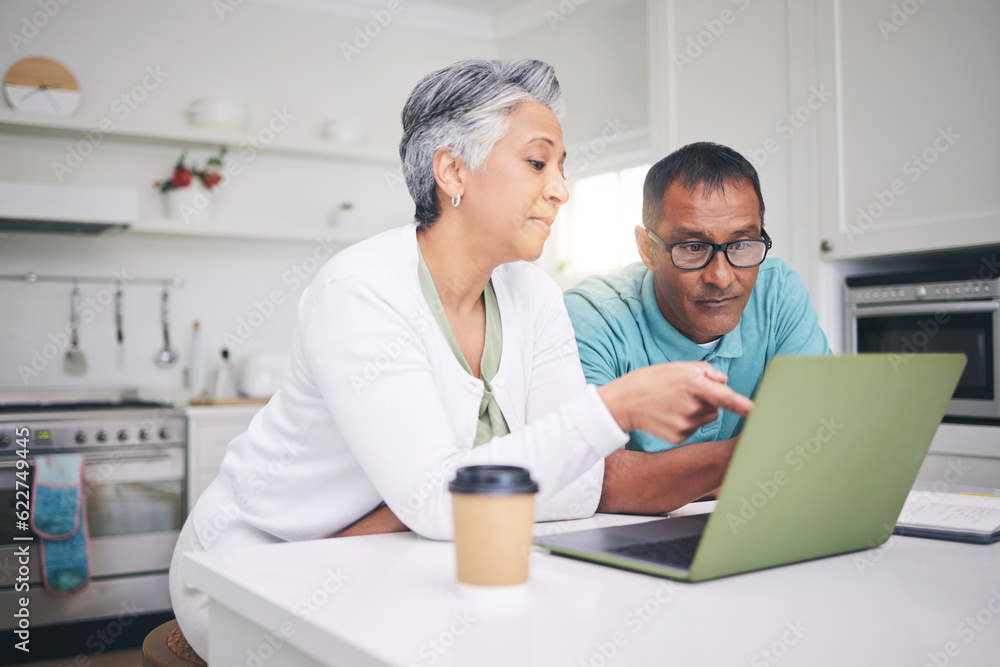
{"points": [[671, 401], [381, 520], [655, 483]]}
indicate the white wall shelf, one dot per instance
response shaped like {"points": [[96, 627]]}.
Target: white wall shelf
{"points": [[13, 122], [273, 232]]}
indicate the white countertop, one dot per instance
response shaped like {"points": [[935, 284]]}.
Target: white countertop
{"points": [[392, 599]]}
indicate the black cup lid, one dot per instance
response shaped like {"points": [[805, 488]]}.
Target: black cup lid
{"points": [[493, 480]]}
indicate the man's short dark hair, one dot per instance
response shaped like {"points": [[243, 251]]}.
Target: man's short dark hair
{"points": [[708, 164]]}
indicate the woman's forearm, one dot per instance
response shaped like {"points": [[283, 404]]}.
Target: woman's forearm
{"points": [[634, 483]]}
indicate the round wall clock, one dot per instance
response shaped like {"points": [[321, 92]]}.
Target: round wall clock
{"points": [[41, 85]]}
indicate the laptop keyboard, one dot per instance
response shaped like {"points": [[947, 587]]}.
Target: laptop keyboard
{"points": [[675, 552]]}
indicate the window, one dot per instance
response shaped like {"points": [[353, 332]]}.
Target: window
{"points": [[594, 232]]}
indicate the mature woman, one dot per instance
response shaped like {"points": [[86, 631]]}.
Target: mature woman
{"points": [[437, 345]]}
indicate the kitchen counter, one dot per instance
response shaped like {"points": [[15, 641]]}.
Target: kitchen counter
{"points": [[392, 600], [229, 402]]}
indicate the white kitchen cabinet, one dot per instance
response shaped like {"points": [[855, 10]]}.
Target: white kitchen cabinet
{"points": [[972, 470], [964, 454], [210, 430], [908, 148]]}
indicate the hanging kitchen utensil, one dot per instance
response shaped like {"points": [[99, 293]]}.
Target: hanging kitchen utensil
{"points": [[167, 356], [119, 333], [75, 361]]}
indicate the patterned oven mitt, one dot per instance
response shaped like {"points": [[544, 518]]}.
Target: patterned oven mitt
{"points": [[59, 518]]}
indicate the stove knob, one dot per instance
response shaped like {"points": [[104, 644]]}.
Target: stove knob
{"points": [[122, 435], [102, 436], [4, 441], [164, 433], [920, 291], [143, 434], [80, 437]]}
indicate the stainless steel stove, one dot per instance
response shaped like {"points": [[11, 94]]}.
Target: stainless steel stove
{"points": [[135, 485]]}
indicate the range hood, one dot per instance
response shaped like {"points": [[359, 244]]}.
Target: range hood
{"points": [[65, 209]]}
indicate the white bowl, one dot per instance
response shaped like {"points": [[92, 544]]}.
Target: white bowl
{"points": [[223, 113]]}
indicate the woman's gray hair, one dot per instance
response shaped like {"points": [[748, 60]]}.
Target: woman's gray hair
{"points": [[465, 107]]}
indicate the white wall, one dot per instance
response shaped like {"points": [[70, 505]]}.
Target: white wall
{"points": [[725, 65], [225, 281], [599, 53]]}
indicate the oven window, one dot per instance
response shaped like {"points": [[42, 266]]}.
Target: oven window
{"points": [[127, 508], [119, 508], [971, 333]]}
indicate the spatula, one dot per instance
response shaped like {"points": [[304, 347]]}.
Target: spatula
{"points": [[119, 334], [75, 361]]}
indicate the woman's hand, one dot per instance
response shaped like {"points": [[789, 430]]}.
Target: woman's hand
{"points": [[671, 401]]}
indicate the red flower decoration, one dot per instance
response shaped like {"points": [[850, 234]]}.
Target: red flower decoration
{"points": [[183, 175], [211, 179]]}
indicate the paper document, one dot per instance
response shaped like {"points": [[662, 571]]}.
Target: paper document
{"points": [[954, 515]]}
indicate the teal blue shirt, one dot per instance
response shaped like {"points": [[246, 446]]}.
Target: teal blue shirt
{"points": [[619, 328]]}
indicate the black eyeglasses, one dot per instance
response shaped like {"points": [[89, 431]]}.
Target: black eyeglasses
{"points": [[690, 255]]}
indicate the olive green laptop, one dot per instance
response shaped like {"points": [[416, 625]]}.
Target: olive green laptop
{"points": [[823, 467]]}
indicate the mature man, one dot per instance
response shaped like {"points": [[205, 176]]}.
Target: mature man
{"points": [[703, 291]]}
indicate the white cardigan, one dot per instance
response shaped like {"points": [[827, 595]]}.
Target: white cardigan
{"points": [[373, 406]]}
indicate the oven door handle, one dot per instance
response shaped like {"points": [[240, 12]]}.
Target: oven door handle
{"points": [[131, 458], [106, 458], [927, 308]]}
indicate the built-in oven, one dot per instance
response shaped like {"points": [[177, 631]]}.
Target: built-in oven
{"points": [[934, 311], [135, 494]]}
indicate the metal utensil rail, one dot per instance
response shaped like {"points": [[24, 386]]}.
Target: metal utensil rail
{"points": [[31, 277]]}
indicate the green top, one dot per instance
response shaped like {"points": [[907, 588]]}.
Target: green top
{"points": [[491, 420]]}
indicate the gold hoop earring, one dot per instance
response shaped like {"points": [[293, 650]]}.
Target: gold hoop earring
{"points": [[456, 200]]}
